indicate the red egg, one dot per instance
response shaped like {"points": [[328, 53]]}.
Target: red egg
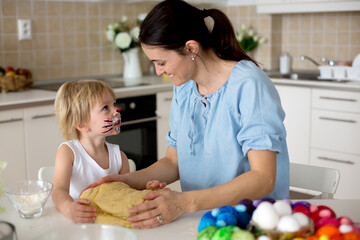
{"points": [[302, 209], [351, 236], [327, 221]]}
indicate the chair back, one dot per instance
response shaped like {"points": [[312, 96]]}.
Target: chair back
{"points": [[47, 173], [321, 179]]}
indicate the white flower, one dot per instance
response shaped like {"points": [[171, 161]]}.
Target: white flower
{"points": [[262, 40], [135, 33], [243, 27], [256, 38], [110, 34], [124, 19], [112, 26], [2, 165], [123, 40], [141, 17], [251, 32]]}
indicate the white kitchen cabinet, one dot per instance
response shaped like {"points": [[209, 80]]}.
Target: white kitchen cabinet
{"points": [[42, 138], [12, 145], [348, 166], [296, 104], [163, 105], [335, 136]]}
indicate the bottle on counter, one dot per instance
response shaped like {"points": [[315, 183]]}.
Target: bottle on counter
{"points": [[285, 63]]}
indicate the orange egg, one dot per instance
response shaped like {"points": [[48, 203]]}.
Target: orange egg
{"points": [[312, 237], [351, 236], [329, 231]]}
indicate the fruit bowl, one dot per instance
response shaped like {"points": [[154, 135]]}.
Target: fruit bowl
{"points": [[89, 232], [28, 197]]}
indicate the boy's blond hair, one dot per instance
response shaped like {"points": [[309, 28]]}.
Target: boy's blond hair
{"points": [[73, 104]]}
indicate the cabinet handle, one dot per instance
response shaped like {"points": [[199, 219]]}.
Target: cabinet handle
{"points": [[43, 116], [336, 160], [337, 119], [339, 99], [11, 120], [168, 99]]}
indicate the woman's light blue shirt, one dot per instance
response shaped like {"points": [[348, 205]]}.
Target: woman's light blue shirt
{"points": [[213, 134]]}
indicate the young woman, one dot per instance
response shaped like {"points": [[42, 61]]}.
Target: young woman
{"points": [[227, 139]]}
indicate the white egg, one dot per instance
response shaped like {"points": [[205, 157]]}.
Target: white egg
{"points": [[345, 228], [302, 219], [265, 216], [264, 237], [283, 208], [288, 224]]}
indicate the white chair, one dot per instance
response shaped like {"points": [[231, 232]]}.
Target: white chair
{"points": [[320, 179], [47, 173]]}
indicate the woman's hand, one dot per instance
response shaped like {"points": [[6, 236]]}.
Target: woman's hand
{"points": [[155, 185], [79, 212], [164, 206]]}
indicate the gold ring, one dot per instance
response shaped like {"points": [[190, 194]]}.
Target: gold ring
{"points": [[159, 218]]}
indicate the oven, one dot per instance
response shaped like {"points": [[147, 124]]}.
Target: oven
{"points": [[137, 137]]}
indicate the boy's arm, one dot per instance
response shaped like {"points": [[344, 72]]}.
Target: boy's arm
{"points": [[75, 210], [125, 168]]}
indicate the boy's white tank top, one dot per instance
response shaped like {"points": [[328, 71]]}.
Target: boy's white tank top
{"points": [[85, 169]]}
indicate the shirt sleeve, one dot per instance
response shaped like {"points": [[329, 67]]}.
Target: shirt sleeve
{"points": [[173, 121], [261, 114]]}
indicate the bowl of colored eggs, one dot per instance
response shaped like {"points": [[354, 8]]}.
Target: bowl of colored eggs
{"points": [[268, 219]]}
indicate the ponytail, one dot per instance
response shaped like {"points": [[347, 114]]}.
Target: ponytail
{"points": [[171, 23]]}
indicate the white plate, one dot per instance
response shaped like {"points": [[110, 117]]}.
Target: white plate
{"points": [[356, 62]]}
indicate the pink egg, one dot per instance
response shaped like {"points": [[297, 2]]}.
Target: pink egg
{"points": [[345, 220], [327, 221]]}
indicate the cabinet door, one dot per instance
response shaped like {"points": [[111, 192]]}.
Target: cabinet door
{"points": [[42, 138], [296, 104], [163, 105], [349, 167], [12, 145], [336, 131]]}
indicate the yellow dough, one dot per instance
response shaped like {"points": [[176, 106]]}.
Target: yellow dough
{"points": [[113, 201]]}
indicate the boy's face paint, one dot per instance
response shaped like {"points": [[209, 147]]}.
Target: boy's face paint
{"points": [[112, 123]]}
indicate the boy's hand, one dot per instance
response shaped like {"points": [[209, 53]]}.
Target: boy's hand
{"points": [[79, 212], [155, 185]]}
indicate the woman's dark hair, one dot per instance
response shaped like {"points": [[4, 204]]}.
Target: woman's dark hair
{"points": [[171, 23]]}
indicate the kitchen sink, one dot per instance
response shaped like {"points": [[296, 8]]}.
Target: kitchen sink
{"points": [[312, 76]]}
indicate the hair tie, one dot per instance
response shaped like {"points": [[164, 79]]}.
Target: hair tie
{"points": [[209, 21]]}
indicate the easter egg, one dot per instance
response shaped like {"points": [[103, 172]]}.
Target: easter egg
{"points": [[345, 228], [288, 224], [243, 219], [249, 205], [350, 236], [225, 219], [224, 233], [206, 220], [242, 235], [302, 219], [282, 208], [207, 233], [302, 203], [265, 216], [326, 221], [302, 209], [329, 231]]}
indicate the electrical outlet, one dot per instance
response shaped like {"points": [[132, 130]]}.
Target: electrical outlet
{"points": [[24, 29]]}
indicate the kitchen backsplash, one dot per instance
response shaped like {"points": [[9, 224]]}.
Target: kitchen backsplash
{"points": [[69, 40]]}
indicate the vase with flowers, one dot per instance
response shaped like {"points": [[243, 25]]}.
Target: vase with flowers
{"points": [[248, 39], [121, 36]]}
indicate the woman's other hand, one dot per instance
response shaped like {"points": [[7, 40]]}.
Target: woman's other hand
{"points": [[155, 185], [164, 206], [80, 212]]}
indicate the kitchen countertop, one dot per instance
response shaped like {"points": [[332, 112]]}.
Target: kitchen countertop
{"points": [[184, 228], [35, 96], [155, 84]]}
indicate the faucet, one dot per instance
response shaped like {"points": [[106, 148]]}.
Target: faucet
{"points": [[329, 61], [302, 58]]}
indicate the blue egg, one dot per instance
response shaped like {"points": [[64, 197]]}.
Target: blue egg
{"points": [[215, 212], [240, 208], [249, 205], [206, 220], [243, 219], [226, 219], [229, 209]]}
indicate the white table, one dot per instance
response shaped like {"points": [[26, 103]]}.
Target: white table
{"points": [[184, 228]]}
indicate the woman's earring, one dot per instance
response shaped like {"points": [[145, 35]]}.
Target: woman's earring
{"points": [[193, 58]]}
